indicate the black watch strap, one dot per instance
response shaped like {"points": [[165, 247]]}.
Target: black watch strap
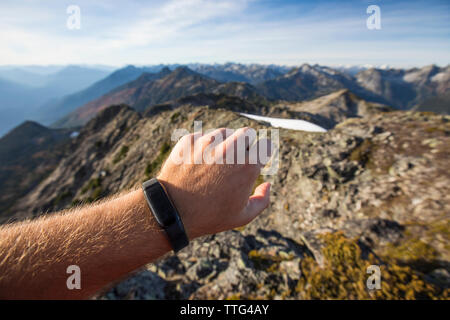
{"points": [[165, 213]]}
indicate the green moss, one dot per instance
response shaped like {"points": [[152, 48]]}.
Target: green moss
{"points": [[413, 252], [435, 129], [368, 155], [268, 262], [62, 197], [344, 276], [235, 296], [75, 203], [441, 227], [97, 193], [258, 181], [92, 184], [174, 117], [156, 164], [362, 152], [412, 249], [121, 155]]}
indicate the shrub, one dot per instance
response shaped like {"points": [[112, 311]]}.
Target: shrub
{"points": [[156, 164], [121, 155], [344, 276]]}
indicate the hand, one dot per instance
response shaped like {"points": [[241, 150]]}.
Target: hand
{"points": [[214, 197]]}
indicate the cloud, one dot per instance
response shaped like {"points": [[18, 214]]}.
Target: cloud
{"points": [[143, 32]]}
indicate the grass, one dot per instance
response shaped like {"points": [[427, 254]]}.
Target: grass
{"points": [[62, 197], [95, 188], [92, 184], [156, 164], [121, 155]]}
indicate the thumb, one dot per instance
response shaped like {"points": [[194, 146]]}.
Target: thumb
{"points": [[256, 203]]}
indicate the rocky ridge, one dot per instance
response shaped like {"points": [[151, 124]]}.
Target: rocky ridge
{"points": [[373, 190]]}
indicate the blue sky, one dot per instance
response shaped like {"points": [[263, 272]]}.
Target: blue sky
{"points": [[413, 33]]}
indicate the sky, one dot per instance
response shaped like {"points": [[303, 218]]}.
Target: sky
{"points": [[143, 32]]}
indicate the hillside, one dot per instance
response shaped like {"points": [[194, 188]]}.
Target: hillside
{"points": [[403, 89], [397, 88], [27, 155], [151, 89], [373, 190], [56, 109], [394, 87], [23, 93], [305, 82], [328, 110]]}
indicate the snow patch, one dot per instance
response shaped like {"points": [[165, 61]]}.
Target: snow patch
{"points": [[293, 124]]}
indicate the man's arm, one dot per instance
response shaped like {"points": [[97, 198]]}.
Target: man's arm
{"points": [[110, 239]]}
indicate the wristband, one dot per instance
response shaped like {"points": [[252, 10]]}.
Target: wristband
{"points": [[165, 213]]}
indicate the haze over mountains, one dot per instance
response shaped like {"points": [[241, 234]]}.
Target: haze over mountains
{"points": [[22, 92], [72, 95]]}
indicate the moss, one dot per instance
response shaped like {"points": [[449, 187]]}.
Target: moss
{"points": [[174, 117], [369, 155], [441, 227], [414, 253], [344, 276], [258, 181], [165, 148], [62, 197], [92, 184], [435, 129], [412, 250], [268, 262], [156, 164], [97, 193], [362, 152], [75, 203], [121, 155]]}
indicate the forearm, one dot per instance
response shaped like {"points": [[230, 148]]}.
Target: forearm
{"points": [[112, 238], [107, 241]]}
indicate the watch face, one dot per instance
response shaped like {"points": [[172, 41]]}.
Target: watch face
{"points": [[160, 205]]}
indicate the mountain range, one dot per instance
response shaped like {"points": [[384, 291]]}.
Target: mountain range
{"points": [[22, 92], [395, 88], [423, 89]]}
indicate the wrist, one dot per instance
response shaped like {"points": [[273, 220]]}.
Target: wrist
{"points": [[165, 213], [181, 204]]}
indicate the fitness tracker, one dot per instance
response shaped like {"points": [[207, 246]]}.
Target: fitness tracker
{"points": [[165, 213]]}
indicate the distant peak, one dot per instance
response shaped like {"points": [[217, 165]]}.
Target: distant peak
{"points": [[165, 71], [128, 67], [31, 124], [28, 128], [183, 70]]}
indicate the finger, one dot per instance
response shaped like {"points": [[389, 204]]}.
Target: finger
{"points": [[187, 145], [260, 152], [217, 136], [236, 146], [259, 201]]}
